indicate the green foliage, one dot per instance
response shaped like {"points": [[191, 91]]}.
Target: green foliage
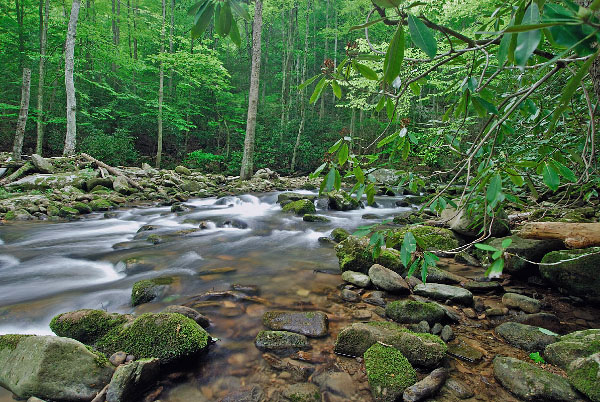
{"points": [[112, 149], [536, 357], [204, 160]]}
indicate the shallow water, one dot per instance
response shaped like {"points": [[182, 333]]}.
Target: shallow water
{"points": [[49, 268]]}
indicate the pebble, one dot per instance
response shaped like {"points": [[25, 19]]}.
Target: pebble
{"points": [[118, 358], [356, 278], [496, 311], [375, 298], [350, 296], [524, 303], [447, 333], [460, 389], [437, 328], [362, 314], [423, 327], [470, 313]]}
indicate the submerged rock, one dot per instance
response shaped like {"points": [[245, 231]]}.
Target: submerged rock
{"points": [[52, 368], [427, 387], [302, 393], [438, 291], [544, 320], [389, 373], [413, 312], [578, 277], [573, 346], [525, 337], [313, 324], [280, 342]]}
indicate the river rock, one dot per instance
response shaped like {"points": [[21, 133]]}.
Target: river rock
{"points": [[131, 380], [544, 320], [387, 279], [423, 350], [573, 346], [300, 207], [354, 254], [339, 200], [462, 350], [465, 224], [442, 292], [280, 342], [578, 277], [121, 185], [433, 238], [117, 358], [349, 295], [459, 388], [532, 383], [338, 383], [413, 312], [339, 234], [251, 393], [86, 325], [525, 337], [52, 368], [356, 278], [314, 218], [146, 290], [313, 324], [286, 198], [427, 387], [183, 170], [482, 286], [44, 182], [389, 177], [41, 164], [584, 374], [297, 370], [389, 373], [521, 302], [447, 333], [437, 275], [201, 319], [305, 392]]}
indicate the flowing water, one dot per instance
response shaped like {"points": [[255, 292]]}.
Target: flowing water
{"points": [[50, 268]]}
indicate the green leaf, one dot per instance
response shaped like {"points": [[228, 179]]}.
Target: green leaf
{"points": [[422, 36], [202, 20], [528, 41], [234, 33], [496, 268], [365, 25], [239, 9], [550, 177], [318, 171], [330, 179], [564, 171], [335, 146], [409, 242], [196, 7], [506, 243], [415, 88], [394, 56], [318, 89], [389, 108], [405, 150], [365, 71], [494, 188], [358, 173], [387, 3], [413, 268], [225, 19], [337, 90], [547, 331], [337, 184], [497, 255], [343, 155], [485, 247], [308, 82], [370, 191], [531, 27], [536, 357]]}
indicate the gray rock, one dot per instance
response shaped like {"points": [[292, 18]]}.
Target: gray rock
{"points": [[464, 351], [423, 327], [41, 164], [464, 224], [465, 258], [34, 399], [286, 198], [252, 393], [298, 370], [436, 275], [544, 320], [459, 388], [50, 181], [443, 292], [350, 296], [201, 319], [447, 333], [413, 312], [427, 387], [521, 302], [584, 374], [437, 328], [313, 324], [280, 342], [302, 392], [131, 380], [386, 176], [314, 218], [387, 279], [532, 383], [577, 277], [183, 170], [121, 185], [38, 366], [375, 298], [525, 337], [338, 383], [342, 201], [482, 287], [576, 345], [356, 278], [117, 358]]}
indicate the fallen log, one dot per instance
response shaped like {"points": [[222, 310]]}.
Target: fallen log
{"points": [[22, 171], [112, 170], [574, 235], [12, 164]]}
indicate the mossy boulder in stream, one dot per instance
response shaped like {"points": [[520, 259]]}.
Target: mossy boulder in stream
{"points": [[413, 312], [578, 277], [584, 374], [100, 204], [525, 337], [300, 207], [287, 197], [86, 325], [280, 342], [340, 200], [355, 254], [573, 346], [389, 373], [310, 323], [432, 238], [146, 290]]}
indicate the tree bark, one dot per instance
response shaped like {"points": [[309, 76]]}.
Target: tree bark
{"points": [[20, 134], [70, 138], [20, 12], [161, 80], [171, 33], [40, 96], [247, 160], [322, 110], [575, 235]]}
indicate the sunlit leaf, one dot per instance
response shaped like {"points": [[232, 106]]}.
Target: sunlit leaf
{"points": [[422, 36]]}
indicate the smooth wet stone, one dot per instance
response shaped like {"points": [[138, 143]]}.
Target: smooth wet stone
{"points": [[496, 311], [350, 296], [413, 312], [584, 375], [201, 319], [297, 370], [521, 302], [250, 290], [338, 383], [465, 258], [482, 287], [375, 298], [362, 314], [525, 337], [313, 324], [577, 277], [306, 392], [356, 278], [532, 383], [447, 333], [427, 387], [314, 218], [251, 393], [459, 388], [544, 320], [576, 345], [280, 342], [437, 328], [464, 351], [388, 280], [442, 292], [437, 275], [131, 380], [117, 358]]}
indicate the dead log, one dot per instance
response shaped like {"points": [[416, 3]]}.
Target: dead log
{"points": [[112, 170], [22, 171], [574, 235], [11, 164]]}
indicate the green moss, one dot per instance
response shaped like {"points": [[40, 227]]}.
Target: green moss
{"points": [[10, 341], [586, 378], [82, 207], [433, 238], [280, 340], [300, 207], [355, 254], [166, 336], [578, 277], [10, 215], [86, 326], [101, 359], [314, 218], [389, 373], [67, 211], [52, 210], [339, 234], [147, 290], [413, 312], [100, 204]]}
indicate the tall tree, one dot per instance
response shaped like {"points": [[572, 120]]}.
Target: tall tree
{"points": [[161, 79], [71, 136], [44, 15], [322, 110], [248, 158], [20, 134]]}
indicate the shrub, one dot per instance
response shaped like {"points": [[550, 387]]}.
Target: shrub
{"points": [[114, 149], [204, 160]]}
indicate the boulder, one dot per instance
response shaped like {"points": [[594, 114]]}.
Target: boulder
{"points": [[355, 254], [121, 185], [300, 207], [100, 204], [356, 278], [584, 375], [482, 286], [104, 182], [265, 174], [544, 320], [432, 238], [314, 218], [521, 302], [438, 291], [525, 337], [192, 186], [465, 224], [313, 324], [51, 368], [339, 234], [200, 319], [183, 170], [146, 290], [41, 164], [388, 280], [577, 277], [44, 182], [532, 383], [342, 201], [437, 275], [389, 373], [286, 198], [86, 326], [280, 342], [427, 387], [131, 380], [413, 312], [573, 346]]}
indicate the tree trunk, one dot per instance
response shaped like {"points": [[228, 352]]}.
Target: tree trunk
{"points": [[322, 110], [575, 235], [71, 136], [40, 96], [302, 93], [247, 160], [171, 31], [20, 12], [20, 134], [161, 80], [189, 105]]}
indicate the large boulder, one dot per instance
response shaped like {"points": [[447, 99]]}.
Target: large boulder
{"points": [[532, 383], [287, 197], [573, 346], [300, 207], [355, 254], [342, 201], [389, 373], [44, 182], [313, 324], [121, 185], [584, 374], [421, 349], [51, 368], [578, 277], [130, 380], [413, 312], [466, 224], [41, 164], [86, 326], [432, 238], [525, 337]]}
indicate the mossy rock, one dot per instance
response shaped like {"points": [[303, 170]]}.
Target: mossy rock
{"points": [[413, 312], [287, 197], [86, 326], [66, 212], [584, 374], [52, 210], [578, 277], [99, 189], [573, 346], [146, 290], [280, 342], [302, 393], [433, 238], [10, 341], [300, 207], [83, 208], [166, 336], [389, 373], [355, 254], [342, 201], [314, 218], [100, 204], [183, 170], [339, 234]]}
